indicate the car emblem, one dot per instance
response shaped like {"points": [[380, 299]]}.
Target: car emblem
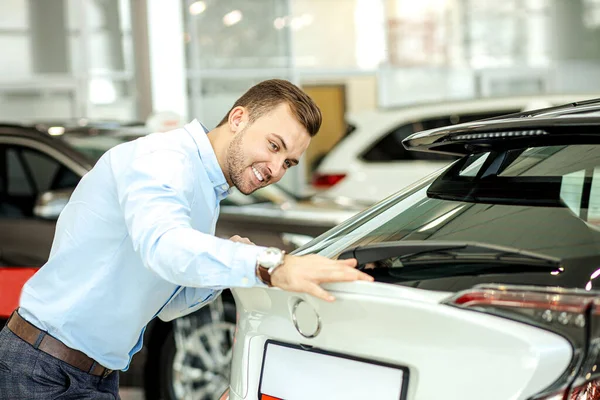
{"points": [[306, 319]]}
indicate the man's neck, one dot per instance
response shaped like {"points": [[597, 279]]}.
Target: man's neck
{"points": [[220, 138]]}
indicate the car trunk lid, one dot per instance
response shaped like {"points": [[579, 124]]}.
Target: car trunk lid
{"points": [[441, 350]]}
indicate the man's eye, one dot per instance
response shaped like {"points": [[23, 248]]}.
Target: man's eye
{"points": [[288, 164], [274, 146]]}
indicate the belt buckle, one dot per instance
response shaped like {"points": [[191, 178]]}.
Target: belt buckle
{"points": [[106, 373]]}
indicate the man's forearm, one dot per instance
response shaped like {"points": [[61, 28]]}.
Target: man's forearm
{"points": [[187, 301]]}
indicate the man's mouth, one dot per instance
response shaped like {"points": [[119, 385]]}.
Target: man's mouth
{"points": [[257, 174]]}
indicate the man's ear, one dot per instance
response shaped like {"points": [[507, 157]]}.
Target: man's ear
{"points": [[238, 117]]}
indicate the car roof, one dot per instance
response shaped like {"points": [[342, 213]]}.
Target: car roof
{"points": [[533, 125], [32, 133], [372, 125]]}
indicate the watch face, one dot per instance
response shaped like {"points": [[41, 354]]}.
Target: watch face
{"points": [[271, 257]]}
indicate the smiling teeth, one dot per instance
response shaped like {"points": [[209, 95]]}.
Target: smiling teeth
{"points": [[258, 175]]}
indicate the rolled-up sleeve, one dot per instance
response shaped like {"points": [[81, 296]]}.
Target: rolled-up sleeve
{"points": [[156, 192], [187, 301]]}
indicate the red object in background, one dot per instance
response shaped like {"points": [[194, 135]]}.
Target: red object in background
{"points": [[12, 280], [588, 391], [324, 181], [225, 395]]}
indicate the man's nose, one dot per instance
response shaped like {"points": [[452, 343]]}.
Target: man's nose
{"points": [[277, 170]]}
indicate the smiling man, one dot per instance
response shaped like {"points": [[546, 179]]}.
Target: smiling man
{"points": [[267, 141], [136, 241]]}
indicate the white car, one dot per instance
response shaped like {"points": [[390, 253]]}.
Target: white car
{"points": [[370, 162], [485, 280]]}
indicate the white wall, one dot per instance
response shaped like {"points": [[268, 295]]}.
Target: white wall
{"points": [[26, 107], [16, 56], [342, 34], [329, 40], [88, 58]]}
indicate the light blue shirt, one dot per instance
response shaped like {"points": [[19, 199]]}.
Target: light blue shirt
{"points": [[136, 240]]}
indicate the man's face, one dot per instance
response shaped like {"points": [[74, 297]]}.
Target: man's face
{"points": [[261, 153]]}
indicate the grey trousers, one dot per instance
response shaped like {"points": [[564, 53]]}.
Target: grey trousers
{"points": [[30, 374]]}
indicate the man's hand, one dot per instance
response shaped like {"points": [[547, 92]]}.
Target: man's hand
{"points": [[239, 239], [306, 273]]}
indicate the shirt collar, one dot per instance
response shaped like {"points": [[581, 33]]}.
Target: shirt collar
{"points": [[209, 158]]}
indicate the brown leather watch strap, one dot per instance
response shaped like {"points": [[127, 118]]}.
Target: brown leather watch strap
{"points": [[263, 275]]}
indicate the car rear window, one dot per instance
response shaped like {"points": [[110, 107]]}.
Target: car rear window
{"points": [[541, 199]]}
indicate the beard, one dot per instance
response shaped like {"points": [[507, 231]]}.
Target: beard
{"points": [[236, 165]]}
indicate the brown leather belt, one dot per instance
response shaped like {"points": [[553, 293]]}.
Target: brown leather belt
{"points": [[50, 345]]}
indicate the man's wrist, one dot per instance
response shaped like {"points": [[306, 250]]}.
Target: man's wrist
{"points": [[262, 274], [267, 262]]}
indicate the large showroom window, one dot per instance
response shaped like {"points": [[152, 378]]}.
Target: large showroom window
{"points": [[230, 45], [64, 59]]}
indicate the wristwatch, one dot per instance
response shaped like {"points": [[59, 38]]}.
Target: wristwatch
{"points": [[267, 262]]}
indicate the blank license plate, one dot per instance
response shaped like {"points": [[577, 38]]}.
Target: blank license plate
{"points": [[292, 373]]}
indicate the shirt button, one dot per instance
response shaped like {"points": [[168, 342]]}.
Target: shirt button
{"points": [[245, 281]]}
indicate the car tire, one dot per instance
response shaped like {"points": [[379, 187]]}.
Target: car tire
{"points": [[171, 387]]}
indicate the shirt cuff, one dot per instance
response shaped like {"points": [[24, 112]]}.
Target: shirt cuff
{"points": [[244, 265]]}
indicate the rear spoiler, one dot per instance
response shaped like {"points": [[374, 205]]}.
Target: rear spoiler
{"points": [[553, 126]]}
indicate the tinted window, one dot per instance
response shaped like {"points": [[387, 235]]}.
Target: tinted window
{"points": [[28, 173], [43, 169], [542, 199], [45, 172], [390, 148], [19, 183]]}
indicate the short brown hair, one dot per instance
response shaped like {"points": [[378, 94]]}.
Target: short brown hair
{"points": [[263, 97]]}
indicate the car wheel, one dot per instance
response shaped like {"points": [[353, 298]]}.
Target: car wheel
{"points": [[196, 355]]}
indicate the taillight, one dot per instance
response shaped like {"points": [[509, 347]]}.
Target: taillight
{"points": [[324, 181], [587, 391], [571, 313], [587, 383], [225, 395]]}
